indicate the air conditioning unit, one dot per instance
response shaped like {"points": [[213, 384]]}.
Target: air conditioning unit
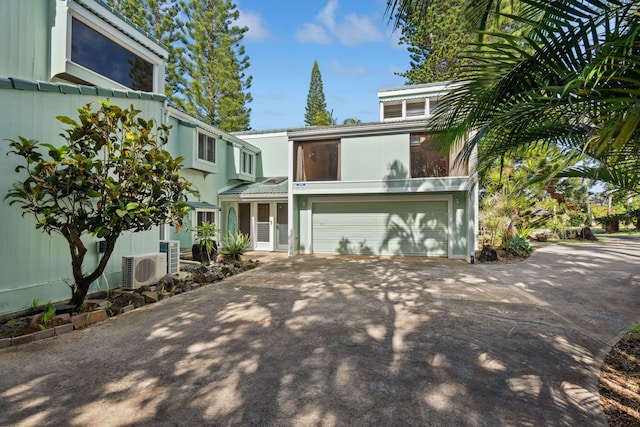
{"points": [[172, 249], [142, 270]]}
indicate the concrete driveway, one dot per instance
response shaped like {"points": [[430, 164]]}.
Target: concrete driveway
{"points": [[347, 341]]}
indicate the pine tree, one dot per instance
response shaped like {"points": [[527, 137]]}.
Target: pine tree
{"points": [[160, 18], [316, 111], [435, 38], [217, 92]]}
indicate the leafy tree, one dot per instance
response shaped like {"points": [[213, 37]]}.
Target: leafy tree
{"points": [[113, 175], [352, 121], [568, 76], [316, 113], [435, 37], [217, 92], [161, 19]]}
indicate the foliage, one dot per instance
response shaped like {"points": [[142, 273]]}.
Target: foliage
{"points": [[205, 232], [235, 244], [316, 113], [162, 20], [435, 38], [568, 77], [517, 244], [112, 175], [217, 92], [47, 316]]}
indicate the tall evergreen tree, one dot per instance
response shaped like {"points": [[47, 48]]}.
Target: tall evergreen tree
{"points": [[161, 19], [316, 111], [435, 39], [217, 92]]}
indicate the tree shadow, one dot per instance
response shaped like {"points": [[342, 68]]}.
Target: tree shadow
{"points": [[315, 341]]}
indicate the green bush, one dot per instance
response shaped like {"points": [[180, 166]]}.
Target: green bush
{"points": [[235, 244], [517, 245]]}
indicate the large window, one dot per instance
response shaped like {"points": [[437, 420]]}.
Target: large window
{"points": [[426, 161], [98, 53], [317, 161], [206, 148], [247, 163]]}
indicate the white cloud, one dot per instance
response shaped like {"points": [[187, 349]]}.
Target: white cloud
{"points": [[357, 29], [351, 30], [312, 33], [253, 20], [327, 16]]}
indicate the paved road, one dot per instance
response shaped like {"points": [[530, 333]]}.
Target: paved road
{"points": [[351, 341]]}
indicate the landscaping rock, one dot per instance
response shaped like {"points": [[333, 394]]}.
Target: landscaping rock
{"points": [[137, 300], [488, 254], [587, 234], [150, 297]]}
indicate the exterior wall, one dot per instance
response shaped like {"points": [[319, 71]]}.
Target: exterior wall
{"points": [[274, 151], [376, 158], [34, 264], [25, 27]]}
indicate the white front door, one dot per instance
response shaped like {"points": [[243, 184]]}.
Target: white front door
{"points": [[264, 227]]}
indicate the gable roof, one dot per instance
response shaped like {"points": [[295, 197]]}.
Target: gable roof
{"points": [[274, 186]]}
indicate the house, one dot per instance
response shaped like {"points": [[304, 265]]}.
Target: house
{"points": [[370, 189], [58, 56]]}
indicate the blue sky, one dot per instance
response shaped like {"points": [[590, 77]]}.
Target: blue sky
{"points": [[355, 46]]}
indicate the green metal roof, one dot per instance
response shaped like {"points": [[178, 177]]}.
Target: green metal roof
{"points": [[275, 185], [40, 86], [201, 205]]}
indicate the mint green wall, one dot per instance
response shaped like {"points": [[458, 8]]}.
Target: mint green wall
{"points": [[274, 156], [34, 264], [460, 225], [374, 157], [24, 38]]}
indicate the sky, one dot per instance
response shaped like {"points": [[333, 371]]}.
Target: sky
{"points": [[353, 41]]}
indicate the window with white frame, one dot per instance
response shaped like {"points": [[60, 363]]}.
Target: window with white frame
{"points": [[206, 147], [97, 52], [416, 108], [205, 215], [247, 163], [392, 111]]}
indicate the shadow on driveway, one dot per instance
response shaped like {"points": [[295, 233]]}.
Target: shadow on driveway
{"points": [[346, 341]]}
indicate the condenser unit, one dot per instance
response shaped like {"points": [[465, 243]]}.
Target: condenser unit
{"points": [[142, 270], [172, 249]]}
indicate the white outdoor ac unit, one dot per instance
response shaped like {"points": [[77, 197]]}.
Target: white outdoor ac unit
{"points": [[172, 249], [142, 270]]}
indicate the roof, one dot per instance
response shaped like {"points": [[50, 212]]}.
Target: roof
{"points": [[40, 86], [265, 186], [201, 205]]}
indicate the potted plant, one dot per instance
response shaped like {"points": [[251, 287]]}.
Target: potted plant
{"points": [[205, 233]]}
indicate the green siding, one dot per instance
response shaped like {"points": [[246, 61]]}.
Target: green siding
{"points": [[273, 159], [381, 228], [34, 264], [377, 158]]}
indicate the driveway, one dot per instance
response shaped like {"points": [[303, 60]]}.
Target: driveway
{"points": [[347, 341]]}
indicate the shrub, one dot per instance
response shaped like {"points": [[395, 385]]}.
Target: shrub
{"points": [[206, 232], [235, 244], [517, 245]]}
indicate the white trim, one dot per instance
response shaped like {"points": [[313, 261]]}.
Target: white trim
{"points": [[400, 198], [215, 146]]}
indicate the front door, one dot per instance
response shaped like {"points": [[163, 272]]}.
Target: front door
{"points": [[282, 226], [263, 227]]}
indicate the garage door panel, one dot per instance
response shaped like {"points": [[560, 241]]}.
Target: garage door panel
{"points": [[398, 228]]}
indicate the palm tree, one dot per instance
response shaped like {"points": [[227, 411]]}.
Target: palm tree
{"points": [[565, 73]]}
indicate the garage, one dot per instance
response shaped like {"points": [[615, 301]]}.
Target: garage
{"points": [[400, 228]]}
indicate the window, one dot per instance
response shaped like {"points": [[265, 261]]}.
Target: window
{"points": [[247, 163], [317, 161], [98, 53], [392, 111], [205, 216], [426, 161], [416, 108], [206, 148]]}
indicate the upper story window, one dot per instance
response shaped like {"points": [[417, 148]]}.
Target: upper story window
{"points": [[317, 161], [247, 163], [426, 161], [94, 51], [206, 148], [392, 111], [416, 108]]}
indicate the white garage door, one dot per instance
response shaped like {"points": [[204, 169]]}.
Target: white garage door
{"points": [[381, 228]]}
